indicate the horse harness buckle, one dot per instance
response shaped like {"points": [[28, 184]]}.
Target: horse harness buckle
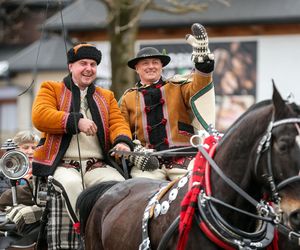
{"points": [[293, 234]]}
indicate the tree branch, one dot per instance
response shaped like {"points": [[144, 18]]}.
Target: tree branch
{"points": [[179, 8], [137, 8], [140, 9], [183, 7]]}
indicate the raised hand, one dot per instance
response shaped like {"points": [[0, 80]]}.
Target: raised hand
{"points": [[199, 41]]}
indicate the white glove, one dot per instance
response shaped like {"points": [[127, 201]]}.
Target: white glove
{"points": [[29, 214], [199, 42], [14, 214]]}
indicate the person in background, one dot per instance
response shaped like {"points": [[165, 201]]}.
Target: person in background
{"points": [[159, 110], [4, 183], [27, 142]]}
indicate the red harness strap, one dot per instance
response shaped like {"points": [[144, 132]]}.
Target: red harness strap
{"points": [[209, 234], [189, 202], [201, 178], [205, 229], [202, 224], [274, 245]]}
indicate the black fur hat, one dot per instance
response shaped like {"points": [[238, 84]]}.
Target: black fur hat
{"points": [[84, 51]]}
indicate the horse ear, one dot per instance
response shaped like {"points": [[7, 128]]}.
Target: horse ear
{"points": [[278, 102]]}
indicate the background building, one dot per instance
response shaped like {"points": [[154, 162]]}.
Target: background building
{"points": [[254, 42]]}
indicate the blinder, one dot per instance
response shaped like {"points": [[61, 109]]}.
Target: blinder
{"points": [[264, 145]]}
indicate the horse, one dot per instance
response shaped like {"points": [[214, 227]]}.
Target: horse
{"points": [[254, 189]]}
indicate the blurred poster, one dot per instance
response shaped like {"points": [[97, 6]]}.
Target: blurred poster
{"points": [[229, 108], [234, 76], [235, 69]]}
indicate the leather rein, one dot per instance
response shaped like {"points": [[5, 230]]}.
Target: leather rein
{"points": [[265, 212], [264, 146]]}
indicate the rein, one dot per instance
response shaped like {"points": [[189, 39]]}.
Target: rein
{"points": [[214, 221], [259, 205], [264, 145], [266, 232], [186, 151], [268, 214], [218, 229]]}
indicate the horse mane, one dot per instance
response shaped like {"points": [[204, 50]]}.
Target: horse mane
{"points": [[256, 106], [236, 124], [88, 198]]}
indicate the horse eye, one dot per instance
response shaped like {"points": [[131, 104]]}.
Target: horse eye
{"points": [[283, 147]]}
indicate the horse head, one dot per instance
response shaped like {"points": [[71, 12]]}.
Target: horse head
{"points": [[285, 162], [260, 153], [279, 154]]}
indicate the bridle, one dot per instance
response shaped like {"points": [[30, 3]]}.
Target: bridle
{"points": [[265, 146], [269, 217]]}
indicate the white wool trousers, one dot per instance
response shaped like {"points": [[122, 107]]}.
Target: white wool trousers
{"points": [[70, 179]]}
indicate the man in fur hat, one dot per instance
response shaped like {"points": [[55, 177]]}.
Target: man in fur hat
{"points": [[80, 122], [159, 111]]}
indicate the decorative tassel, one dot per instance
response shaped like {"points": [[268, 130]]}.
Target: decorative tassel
{"points": [[76, 227]]}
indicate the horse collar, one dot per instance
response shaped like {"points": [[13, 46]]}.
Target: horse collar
{"points": [[226, 236], [156, 209], [221, 232]]}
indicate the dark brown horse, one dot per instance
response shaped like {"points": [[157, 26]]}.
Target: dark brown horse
{"points": [[259, 159]]}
